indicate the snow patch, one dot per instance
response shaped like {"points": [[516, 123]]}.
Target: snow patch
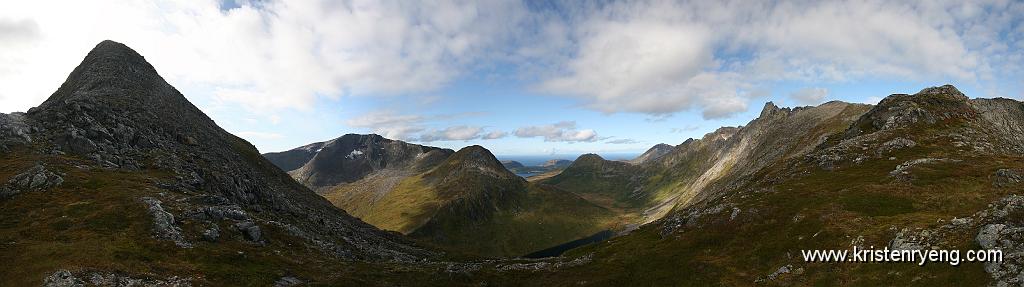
{"points": [[354, 154]]}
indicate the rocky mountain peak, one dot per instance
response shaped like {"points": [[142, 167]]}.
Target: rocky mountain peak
{"points": [[929, 106], [944, 90], [353, 156], [116, 75], [769, 108]]}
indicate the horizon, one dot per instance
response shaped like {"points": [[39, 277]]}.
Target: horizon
{"points": [[519, 78]]}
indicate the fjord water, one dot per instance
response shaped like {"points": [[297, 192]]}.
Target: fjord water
{"points": [[536, 160]]}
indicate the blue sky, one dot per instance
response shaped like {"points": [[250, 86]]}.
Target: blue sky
{"points": [[516, 77]]}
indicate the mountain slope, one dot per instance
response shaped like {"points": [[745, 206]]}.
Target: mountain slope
{"points": [[471, 204], [933, 170], [352, 157], [730, 153], [131, 178]]}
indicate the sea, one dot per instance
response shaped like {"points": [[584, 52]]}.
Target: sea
{"points": [[536, 160]]}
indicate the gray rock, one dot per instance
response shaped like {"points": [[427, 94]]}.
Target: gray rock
{"points": [[36, 178], [894, 145], [212, 234], [988, 237], [904, 168], [163, 223], [250, 230], [122, 280], [1007, 177], [907, 240], [62, 278], [288, 281]]}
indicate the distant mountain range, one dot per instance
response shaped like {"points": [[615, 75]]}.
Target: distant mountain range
{"points": [[433, 194], [117, 179]]}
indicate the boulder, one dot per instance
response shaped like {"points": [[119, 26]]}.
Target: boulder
{"points": [[250, 230]]}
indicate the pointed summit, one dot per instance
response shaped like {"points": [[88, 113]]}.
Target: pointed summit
{"points": [[113, 69]]}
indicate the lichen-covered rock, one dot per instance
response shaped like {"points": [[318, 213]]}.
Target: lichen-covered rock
{"points": [[212, 233], [894, 145], [904, 168], [164, 226], [62, 278], [1007, 177], [36, 178]]}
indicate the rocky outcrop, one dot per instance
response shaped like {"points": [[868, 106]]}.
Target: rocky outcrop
{"points": [[903, 169], [36, 178], [164, 225], [62, 278], [1008, 177], [65, 278], [14, 130]]}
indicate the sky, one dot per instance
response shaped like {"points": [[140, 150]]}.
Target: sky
{"points": [[518, 77]]}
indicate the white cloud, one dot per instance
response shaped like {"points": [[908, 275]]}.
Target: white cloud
{"points": [[558, 132], [495, 135], [389, 124], [456, 133], [410, 127], [809, 96], [650, 57], [657, 57]]}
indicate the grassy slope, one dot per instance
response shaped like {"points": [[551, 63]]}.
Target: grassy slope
{"points": [[544, 217]]}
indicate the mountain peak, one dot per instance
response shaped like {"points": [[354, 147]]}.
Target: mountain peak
{"points": [[114, 75], [944, 90], [769, 108], [477, 155], [653, 153]]}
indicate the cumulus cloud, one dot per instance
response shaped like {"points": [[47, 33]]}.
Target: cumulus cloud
{"points": [[456, 133], [558, 132], [809, 96]]}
